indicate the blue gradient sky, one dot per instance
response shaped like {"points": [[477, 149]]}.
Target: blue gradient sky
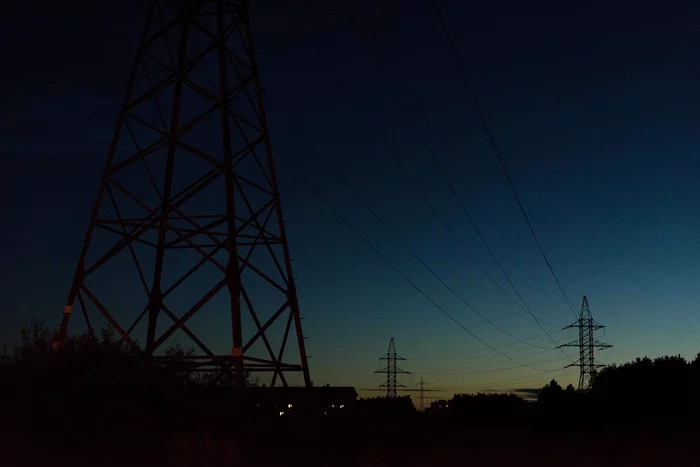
{"points": [[595, 110]]}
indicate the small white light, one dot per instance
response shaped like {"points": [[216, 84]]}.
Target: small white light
{"points": [[342, 406], [281, 413], [332, 406], [289, 406]]}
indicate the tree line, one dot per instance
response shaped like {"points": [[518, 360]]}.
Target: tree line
{"points": [[660, 394], [95, 377]]}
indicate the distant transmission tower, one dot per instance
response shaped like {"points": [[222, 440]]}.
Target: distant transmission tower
{"points": [[587, 344], [400, 388], [391, 370], [421, 395], [186, 241]]}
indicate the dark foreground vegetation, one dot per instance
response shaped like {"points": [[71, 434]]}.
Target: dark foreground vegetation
{"points": [[92, 403]]}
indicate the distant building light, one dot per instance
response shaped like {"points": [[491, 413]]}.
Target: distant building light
{"points": [[332, 406], [342, 406], [289, 406], [281, 413]]}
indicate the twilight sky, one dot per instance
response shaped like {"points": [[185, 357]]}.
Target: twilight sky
{"points": [[595, 109]]}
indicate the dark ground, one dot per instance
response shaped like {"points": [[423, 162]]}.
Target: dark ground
{"points": [[98, 407], [354, 442]]}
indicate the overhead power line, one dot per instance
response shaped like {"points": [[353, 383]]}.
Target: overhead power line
{"points": [[422, 194], [394, 267], [442, 172], [480, 366], [559, 372], [496, 150], [301, 134], [470, 355], [502, 235], [470, 352], [489, 369]]}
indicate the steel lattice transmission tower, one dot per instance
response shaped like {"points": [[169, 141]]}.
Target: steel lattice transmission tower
{"points": [[186, 241], [421, 395], [391, 370], [587, 343]]}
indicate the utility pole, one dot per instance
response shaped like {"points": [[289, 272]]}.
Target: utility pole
{"points": [[586, 343], [186, 238], [391, 370]]}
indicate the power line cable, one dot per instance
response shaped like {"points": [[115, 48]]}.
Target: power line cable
{"points": [[503, 236], [430, 205], [396, 269], [366, 205], [454, 371], [562, 267], [437, 164], [470, 356], [487, 365], [427, 201], [496, 150], [486, 385], [424, 196], [470, 352]]}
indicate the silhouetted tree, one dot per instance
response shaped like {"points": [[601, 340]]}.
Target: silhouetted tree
{"points": [[388, 408], [645, 388], [92, 379], [551, 394], [488, 409]]}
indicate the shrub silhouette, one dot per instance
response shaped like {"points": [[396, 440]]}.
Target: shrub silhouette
{"points": [[381, 407]]}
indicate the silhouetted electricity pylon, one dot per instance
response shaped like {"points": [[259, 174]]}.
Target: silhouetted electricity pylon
{"points": [[391, 370], [587, 343], [186, 241], [421, 395]]}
